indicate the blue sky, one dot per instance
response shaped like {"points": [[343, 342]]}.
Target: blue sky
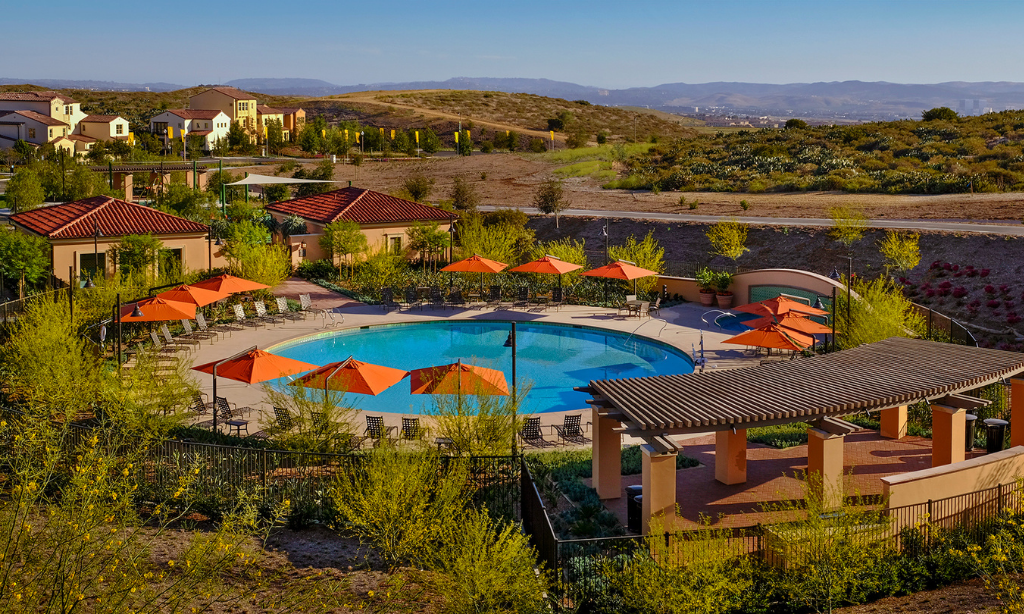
{"points": [[609, 44]]}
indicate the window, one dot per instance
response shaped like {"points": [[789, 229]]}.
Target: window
{"points": [[396, 245], [87, 264], [83, 128], [179, 124], [31, 133], [120, 129], [51, 133]]}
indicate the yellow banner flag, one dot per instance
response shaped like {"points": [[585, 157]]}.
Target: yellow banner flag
{"points": [[506, 133], [392, 134], [357, 137], [552, 136], [323, 134], [417, 137], [456, 137], [131, 138], [346, 136], [468, 135], [170, 132]]}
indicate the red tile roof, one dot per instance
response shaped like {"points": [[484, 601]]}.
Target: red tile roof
{"points": [[100, 119], [194, 113], [200, 132], [233, 92], [81, 137], [36, 96], [46, 120], [358, 205], [116, 218], [289, 110], [267, 110]]}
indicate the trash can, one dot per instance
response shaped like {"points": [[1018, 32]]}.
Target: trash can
{"points": [[633, 508], [995, 434], [969, 432]]}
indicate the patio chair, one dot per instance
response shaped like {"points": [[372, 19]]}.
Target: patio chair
{"points": [[570, 430], [522, 297], [230, 416], [411, 430], [200, 409], [266, 316], [436, 300], [411, 298], [284, 312], [530, 434], [283, 420], [192, 334], [455, 298], [493, 297], [376, 430], [219, 328], [387, 299], [244, 321], [305, 305], [160, 348], [169, 340], [655, 308]]}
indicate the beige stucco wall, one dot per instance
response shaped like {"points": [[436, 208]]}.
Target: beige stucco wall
{"points": [[195, 252], [742, 283], [960, 478], [212, 99], [104, 131]]}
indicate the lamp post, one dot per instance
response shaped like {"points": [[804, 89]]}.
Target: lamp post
{"points": [[96, 234], [510, 342]]}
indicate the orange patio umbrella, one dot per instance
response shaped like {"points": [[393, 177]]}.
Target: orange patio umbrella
{"points": [[548, 265], [476, 264], [193, 294], [157, 309], [352, 375], [230, 284], [251, 366], [773, 336], [458, 378], [778, 306], [619, 269], [793, 321]]}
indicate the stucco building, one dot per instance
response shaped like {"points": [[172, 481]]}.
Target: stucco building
{"points": [[211, 124], [239, 106]]}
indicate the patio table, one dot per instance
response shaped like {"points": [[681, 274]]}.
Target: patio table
{"points": [[637, 307]]}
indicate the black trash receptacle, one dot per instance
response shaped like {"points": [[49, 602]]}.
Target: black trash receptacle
{"points": [[633, 509], [995, 434], [969, 432]]}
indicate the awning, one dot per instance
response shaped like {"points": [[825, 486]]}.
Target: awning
{"points": [[267, 179]]}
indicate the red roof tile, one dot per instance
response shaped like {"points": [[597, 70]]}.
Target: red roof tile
{"points": [[233, 92], [46, 120], [358, 205], [194, 113], [80, 137], [289, 110], [100, 119], [116, 218], [267, 110], [36, 96]]}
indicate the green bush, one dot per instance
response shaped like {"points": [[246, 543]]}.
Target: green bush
{"points": [[317, 269], [781, 436]]}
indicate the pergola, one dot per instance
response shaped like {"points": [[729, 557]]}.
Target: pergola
{"points": [[885, 376]]}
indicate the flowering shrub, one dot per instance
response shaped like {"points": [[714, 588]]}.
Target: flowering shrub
{"points": [[993, 304], [959, 292], [990, 289], [984, 272], [946, 285]]}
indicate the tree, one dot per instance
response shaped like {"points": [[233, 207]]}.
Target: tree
{"points": [[293, 225], [429, 141], [939, 113], [343, 238], [275, 136], [84, 183], [137, 253], [550, 198], [428, 239], [463, 195], [796, 124], [647, 254], [512, 141], [602, 137], [276, 192], [180, 199], [728, 238], [25, 151], [25, 190], [878, 311], [20, 251], [848, 225], [324, 171], [419, 187], [237, 136], [901, 250], [465, 143]]}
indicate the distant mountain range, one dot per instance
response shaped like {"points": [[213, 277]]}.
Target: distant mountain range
{"points": [[852, 99]]}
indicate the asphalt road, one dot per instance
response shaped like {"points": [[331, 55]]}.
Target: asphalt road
{"points": [[1009, 228]]}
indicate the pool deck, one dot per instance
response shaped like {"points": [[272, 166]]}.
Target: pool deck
{"points": [[677, 326]]}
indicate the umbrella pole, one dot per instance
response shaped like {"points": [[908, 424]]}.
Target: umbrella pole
{"points": [[215, 399]]}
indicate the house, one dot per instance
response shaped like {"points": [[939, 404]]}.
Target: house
{"points": [[104, 127], [239, 106], [71, 229], [384, 219], [34, 128], [266, 114], [294, 119], [209, 124], [51, 104]]}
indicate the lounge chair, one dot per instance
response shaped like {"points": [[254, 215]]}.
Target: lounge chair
{"points": [[305, 304], [191, 344], [556, 299], [411, 429], [244, 321], [436, 300], [230, 416], [522, 297], [191, 334], [530, 434], [219, 328], [284, 312], [161, 349], [493, 297], [456, 298], [655, 308], [376, 430], [266, 316], [387, 299], [570, 430], [283, 420], [411, 298]]}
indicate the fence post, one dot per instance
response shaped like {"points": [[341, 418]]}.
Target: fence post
{"points": [[1000, 499], [930, 323], [928, 527]]}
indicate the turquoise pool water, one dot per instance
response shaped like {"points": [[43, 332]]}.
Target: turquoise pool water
{"points": [[552, 358], [735, 321]]}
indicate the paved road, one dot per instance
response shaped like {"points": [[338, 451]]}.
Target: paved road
{"points": [[1007, 228]]}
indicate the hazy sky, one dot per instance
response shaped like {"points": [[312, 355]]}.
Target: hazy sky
{"points": [[610, 44]]}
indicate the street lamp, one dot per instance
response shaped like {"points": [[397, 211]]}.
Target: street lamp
{"points": [[510, 342]]}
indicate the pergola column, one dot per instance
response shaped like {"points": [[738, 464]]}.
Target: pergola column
{"points": [[948, 426], [607, 457], [659, 483], [894, 422], [825, 466], [1017, 412], [731, 456]]}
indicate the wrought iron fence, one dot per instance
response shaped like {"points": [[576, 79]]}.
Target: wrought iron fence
{"points": [[942, 327]]}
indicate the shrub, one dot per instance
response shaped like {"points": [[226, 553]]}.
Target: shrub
{"points": [[728, 238], [744, 205], [646, 254], [959, 292], [881, 312], [538, 146], [317, 269]]}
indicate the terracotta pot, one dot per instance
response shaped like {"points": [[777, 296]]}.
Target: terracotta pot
{"points": [[707, 299], [724, 300]]}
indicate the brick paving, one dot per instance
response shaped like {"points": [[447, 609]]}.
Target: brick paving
{"points": [[322, 297], [771, 477]]}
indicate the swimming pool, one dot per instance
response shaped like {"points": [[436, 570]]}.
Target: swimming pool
{"points": [[552, 358], [736, 321]]}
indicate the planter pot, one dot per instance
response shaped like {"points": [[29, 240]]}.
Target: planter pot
{"points": [[707, 299], [724, 300]]}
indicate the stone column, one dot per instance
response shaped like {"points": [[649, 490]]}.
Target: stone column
{"points": [[894, 422], [825, 466], [948, 425], [607, 458], [1017, 412], [124, 181], [659, 482], [731, 456]]}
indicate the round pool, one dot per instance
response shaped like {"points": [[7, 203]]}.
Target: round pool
{"points": [[551, 358], [735, 321]]}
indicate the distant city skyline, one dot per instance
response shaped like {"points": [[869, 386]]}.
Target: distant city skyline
{"points": [[595, 43]]}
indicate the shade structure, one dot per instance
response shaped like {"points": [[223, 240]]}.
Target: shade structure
{"points": [[476, 264], [778, 306], [254, 179], [619, 270], [352, 375], [230, 284], [773, 336], [255, 365], [793, 321], [158, 309], [458, 378], [548, 265], [193, 294]]}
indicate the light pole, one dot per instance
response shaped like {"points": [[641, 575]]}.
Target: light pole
{"points": [[511, 343]]}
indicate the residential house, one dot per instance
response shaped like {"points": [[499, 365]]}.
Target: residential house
{"points": [[294, 119], [51, 104], [266, 114], [384, 219], [239, 106], [209, 124], [104, 127], [82, 233], [34, 128]]}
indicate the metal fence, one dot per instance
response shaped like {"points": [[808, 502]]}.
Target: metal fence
{"points": [[943, 327]]}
